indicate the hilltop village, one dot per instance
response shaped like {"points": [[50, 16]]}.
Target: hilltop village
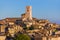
{"points": [[38, 29]]}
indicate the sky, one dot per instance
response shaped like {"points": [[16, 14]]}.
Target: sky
{"points": [[42, 9]]}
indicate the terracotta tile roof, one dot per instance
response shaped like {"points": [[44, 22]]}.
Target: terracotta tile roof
{"points": [[8, 20], [2, 22], [11, 19]]}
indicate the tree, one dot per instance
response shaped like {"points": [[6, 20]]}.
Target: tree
{"points": [[31, 28], [21, 37]]}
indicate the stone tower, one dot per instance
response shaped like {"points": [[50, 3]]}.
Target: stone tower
{"points": [[29, 12]]}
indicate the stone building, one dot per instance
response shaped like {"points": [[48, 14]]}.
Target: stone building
{"points": [[51, 38], [2, 28], [28, 14], [2, 37]]}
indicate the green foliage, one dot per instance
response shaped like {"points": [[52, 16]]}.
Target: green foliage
{"points": [[22, 37], [31, 28], [55, 30], [25, 28]]}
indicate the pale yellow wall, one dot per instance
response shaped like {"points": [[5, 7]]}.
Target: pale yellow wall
{"points": [[2, 37], [2, 28]]}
